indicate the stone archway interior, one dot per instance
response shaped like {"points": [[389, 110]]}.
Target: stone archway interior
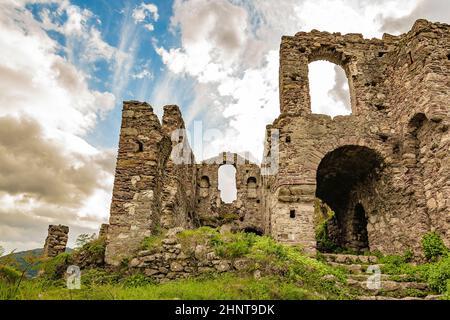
{"points": [[345, 180]]}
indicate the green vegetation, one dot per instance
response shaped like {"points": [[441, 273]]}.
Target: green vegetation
{"points": [[433, 246], [273, 271], [84, 238], [9, 274], [269, 271], [54, 268], [323, 215], [226, 286], [152, 242], [436, 272]]}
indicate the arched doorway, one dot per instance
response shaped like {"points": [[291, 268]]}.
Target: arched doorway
{"points": [[346, 179]]}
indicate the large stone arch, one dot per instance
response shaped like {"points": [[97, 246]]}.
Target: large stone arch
{"points": [[347, 178]]}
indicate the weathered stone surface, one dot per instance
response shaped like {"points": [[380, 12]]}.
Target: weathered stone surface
{"points": [[383, 170], [56, 241]]}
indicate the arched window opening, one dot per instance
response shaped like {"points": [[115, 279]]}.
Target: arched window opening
{"points": [[204, 186], [227, 183], [251, 187], [328, 89]]}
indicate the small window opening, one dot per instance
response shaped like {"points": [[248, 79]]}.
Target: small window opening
{"points": [[140, 146], [380, 107], [292, 214], [288, 139]]}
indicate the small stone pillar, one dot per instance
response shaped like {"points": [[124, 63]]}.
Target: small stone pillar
{"points": [[56, 240]]}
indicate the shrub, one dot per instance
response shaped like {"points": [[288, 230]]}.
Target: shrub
{"points": [[323, 215], [54, 268], [433, 246], [189, 239], [9, 274], [233, 245], [84, 238], [439, 275]]}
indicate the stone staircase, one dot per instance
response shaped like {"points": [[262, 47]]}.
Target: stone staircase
{"points": [[370, 283]]}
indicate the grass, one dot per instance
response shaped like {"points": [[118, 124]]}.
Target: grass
{"points": [[283, 272], [272, 271], [225, 286]]}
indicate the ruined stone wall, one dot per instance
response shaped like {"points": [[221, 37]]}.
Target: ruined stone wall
{"points": [[418, 73], [173, 260], [158, 184], [391, 80], [56, 241], [142, 155], [179, 178], [245, 213], [389, 159]]}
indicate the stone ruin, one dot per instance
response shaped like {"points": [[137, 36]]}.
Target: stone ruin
{"points": [[56, 241], [384, 169]]}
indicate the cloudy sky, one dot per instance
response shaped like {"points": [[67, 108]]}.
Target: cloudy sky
{"points": [[67, 65]]}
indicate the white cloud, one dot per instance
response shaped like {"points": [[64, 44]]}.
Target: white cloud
{"points": [[231, 49], [322, 81], [149, 26], [142, 74], [57, 176], [146, 13]]}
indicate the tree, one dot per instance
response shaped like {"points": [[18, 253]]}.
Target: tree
{"points": [[84, 238]]}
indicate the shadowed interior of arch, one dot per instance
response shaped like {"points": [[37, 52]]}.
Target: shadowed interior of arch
{"points": [[346, 178]]}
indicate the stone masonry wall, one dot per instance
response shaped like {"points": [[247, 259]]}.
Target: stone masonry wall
{"points": [[245, 213], [179, 178], [399, 90], [384, 169], [172, 260], [56, 241], [135, 208]]}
